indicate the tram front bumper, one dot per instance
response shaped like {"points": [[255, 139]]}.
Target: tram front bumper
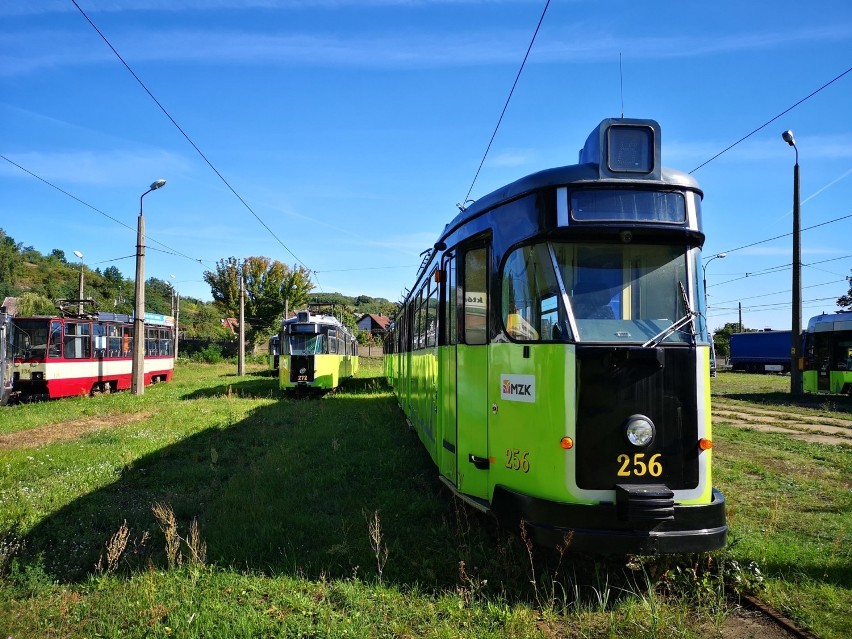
{"points": [[599, 529]]}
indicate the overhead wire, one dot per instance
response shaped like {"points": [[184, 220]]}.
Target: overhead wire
{"points": [[770, 121], [97, 210], [186, 136], [778, 237], [505, 107]]}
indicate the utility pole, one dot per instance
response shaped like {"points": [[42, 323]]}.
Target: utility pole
{"points": [[241, 356], [177, 321], [137, 378], [796, 340]]}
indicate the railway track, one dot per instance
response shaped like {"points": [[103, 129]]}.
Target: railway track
{"points": [[811, 427]]}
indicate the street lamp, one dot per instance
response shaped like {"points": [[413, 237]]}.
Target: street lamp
{"points": [[80, 294], [796, 345], [138, 375], [718, 256]]}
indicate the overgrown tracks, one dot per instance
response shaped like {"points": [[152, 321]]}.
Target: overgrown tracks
{"points": [[809, 426]]}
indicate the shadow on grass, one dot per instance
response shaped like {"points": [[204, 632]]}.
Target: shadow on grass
{"points": [[290, 489]]}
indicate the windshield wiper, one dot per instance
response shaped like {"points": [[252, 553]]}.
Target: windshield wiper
{"points": [[676, 326]]}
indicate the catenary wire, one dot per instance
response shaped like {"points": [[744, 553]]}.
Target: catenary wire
{"points": [[186, 136], [506, 105], [768, 122], [97, 210]]}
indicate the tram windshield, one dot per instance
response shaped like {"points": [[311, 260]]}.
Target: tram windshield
{"points": [[617, 293], [28, 339], [307, 344]]}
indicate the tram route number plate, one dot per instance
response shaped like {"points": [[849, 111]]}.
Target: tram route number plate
{"points": [[639, 465]]}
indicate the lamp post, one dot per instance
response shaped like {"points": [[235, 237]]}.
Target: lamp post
{"points": [[137, 382], [718, 256], [796, 345], [175, 314], [80, 294]]}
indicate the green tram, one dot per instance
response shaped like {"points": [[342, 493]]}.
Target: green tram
{"points": [[828, 354], [316, 352], [554, 357]]}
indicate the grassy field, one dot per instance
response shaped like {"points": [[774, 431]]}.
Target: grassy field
{"points": [[212, 507]]}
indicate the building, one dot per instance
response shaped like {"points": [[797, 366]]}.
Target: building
{"points": [[374, 324]]}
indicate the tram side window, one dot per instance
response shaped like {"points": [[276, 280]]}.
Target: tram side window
{"points": [[99, 339], [77, 342], [419, 322], [113, 340], [332, 341], [55, 348], [476, 296], [843, 351], [126, 341], [527, 278], [165, 341], [452, 308], [432, 314]]}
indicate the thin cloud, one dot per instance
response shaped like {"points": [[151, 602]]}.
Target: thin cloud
{"points": [[101, 169], [41, 7], [24, 52], [511, 158]]}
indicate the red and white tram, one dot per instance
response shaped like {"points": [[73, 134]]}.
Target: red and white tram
{"points": [[78, 354]]}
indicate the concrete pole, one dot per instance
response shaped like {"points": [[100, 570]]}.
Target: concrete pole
{"points": [[137, 381], [241, 356]]}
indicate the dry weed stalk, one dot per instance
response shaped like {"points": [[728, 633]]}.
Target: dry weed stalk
{"points": [[115, 548], [166, 519], [197, 546], [380, 549]]}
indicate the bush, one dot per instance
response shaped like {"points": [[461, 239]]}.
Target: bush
{"points": [[211, 354]]}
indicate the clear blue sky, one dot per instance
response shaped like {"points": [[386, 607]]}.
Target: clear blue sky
{"points": [[352, 127]]}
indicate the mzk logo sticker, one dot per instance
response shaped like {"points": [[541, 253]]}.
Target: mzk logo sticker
{"points": [[517, 388]]}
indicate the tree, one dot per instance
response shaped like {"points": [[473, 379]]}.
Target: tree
{"points": [[158, 296], [11, 264], [722, 338], [269, 286], [34, 304], [845, 301], [201, 319]]}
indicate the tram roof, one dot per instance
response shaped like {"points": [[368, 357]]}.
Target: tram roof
{"points": [[571, 175]]}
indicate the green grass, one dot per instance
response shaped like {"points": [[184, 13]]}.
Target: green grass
{"points": [[773, 391], [323, 518], [789, 504]]}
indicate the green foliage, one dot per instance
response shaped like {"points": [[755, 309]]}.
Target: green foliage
{"points": [[722, 337], [845, 301], [10, 264], [35, 304], [211, 354], [270, 287]]}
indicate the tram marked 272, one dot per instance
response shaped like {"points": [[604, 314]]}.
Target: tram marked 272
{"points": [[316, 352], [554, 358]]}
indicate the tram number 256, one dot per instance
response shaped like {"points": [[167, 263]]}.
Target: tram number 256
{"points": [[636, 466], [517, 460]]}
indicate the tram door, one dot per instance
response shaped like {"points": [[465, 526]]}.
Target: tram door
{"points": [[472, 375], [822, 359], [447, 375]]}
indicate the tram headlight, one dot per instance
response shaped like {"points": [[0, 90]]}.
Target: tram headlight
{"points": [[640, 431]]}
